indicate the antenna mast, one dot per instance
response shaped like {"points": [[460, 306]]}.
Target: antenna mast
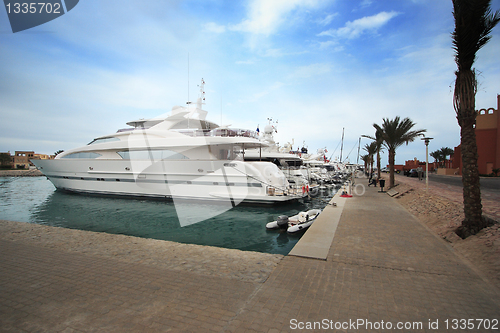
{"points": [[342, 146], [359, 145], [188, 101], [201, 99]]}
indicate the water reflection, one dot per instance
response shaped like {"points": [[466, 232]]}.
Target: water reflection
{"points": [[242, 227]]}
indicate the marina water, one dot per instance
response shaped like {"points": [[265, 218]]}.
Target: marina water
{"points": [[35, 200]]}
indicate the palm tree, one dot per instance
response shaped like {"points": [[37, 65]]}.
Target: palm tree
{"points": [[5, 160], [474, 22], [378, 147], [445, 152], [366, 160], [371, 150], [441, 154], [437, 156], [393, 134]]}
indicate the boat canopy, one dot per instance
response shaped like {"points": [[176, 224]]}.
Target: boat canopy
{"points": [[144, 123]]}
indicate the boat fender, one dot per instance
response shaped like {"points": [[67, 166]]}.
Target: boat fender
{"points": [[282, 221]]}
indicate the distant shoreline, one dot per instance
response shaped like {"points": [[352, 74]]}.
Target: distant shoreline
{"points": [[21, 173]]}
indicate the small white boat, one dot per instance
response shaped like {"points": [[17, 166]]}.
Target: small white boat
{"points": [[292, 224]]}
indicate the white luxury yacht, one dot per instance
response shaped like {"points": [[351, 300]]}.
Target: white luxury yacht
{"points": [[290, 164], [181, 156]]}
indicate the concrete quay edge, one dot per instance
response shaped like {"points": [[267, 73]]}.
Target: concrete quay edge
{"points": [[317, 240]]}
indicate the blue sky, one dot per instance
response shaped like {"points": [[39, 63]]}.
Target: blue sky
{"points": [[315, 66]]}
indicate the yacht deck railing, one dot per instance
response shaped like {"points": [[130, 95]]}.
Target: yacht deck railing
{"points": [[220, 132]]}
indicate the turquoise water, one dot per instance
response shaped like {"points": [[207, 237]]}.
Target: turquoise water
{"points": [[35, 200]]}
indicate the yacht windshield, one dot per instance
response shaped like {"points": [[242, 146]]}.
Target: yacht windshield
{"points": [[103, 140], [232, 132], [224, 132]]}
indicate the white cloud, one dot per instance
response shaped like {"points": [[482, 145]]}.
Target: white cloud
{"points": [[304, 72], [245, 62], [264, 91], [366, 3], [264, 16], [273, 53], [328, 19], [332, 45], [356, 28], [214, 27]]}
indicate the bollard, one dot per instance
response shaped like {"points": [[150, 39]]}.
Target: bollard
{"points": [[382, 184]]}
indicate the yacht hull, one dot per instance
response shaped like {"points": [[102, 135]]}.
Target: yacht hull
{"points": [[205, 180]]}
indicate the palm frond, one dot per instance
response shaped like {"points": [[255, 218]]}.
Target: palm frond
{"points": [[474, 22]]}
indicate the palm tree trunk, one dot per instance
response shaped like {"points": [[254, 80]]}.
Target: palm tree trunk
{"points": [[392, 157], [378, 163], [473, 221], [465, 91]]}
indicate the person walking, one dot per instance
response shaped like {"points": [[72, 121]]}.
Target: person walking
{"points": [[420, 171]]}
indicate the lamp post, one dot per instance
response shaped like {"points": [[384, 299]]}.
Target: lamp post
{"points": [[426, 141]]}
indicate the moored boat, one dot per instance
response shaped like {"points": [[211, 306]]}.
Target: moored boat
{"points": [[181, 156], [288, 163], [295, 223]]}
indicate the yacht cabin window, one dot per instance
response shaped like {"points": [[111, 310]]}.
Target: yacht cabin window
{"points": [[228, 153], [82, 155], [151, 154]]}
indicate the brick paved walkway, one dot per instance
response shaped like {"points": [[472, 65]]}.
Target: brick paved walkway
{"points": [[43, 290], [383, 265]]}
